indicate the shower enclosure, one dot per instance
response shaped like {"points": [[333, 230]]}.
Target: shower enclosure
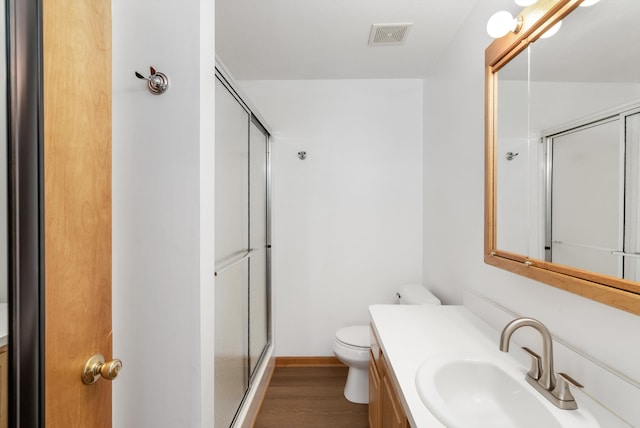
{"points": [[242, 285], [593, 194]]}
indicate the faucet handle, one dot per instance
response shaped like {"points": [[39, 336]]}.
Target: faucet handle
{"points": [[536, 366], [562, 392]]}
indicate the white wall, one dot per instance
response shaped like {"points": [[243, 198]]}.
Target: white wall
{"points": [[347, 221], [453, 225], [163, 214]]}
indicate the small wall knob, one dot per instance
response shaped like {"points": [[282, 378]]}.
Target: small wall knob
{"points": [[157, 82], [95, 367]]}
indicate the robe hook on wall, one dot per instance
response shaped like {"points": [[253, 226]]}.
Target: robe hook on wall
{"points": [[510, 155], [157, 82]]}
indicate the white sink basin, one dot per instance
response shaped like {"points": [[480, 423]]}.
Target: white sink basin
{"points": [[487, 391]]}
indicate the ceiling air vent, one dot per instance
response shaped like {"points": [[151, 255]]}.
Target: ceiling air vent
{"points": [[389, 34]]}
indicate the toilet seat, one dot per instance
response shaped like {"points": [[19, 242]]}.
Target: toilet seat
{"points": [[351, 348], [356, 337]]}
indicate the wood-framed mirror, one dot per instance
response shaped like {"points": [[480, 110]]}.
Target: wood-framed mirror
{"points": [[562, 155]]}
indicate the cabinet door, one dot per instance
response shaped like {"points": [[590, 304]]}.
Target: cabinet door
{"points": [[393, 415], [374, 393]]}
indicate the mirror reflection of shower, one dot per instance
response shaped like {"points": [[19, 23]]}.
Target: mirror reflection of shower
{"points": [[592, 194]]}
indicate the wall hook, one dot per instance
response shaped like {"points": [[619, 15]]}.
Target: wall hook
{"points": [[157, 82], [302, 155], [510, 155]]}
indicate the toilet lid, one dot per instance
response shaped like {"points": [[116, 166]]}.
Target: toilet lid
{"points": [[355, 336]]}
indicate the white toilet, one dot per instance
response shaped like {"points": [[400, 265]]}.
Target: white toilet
{"points": [[352, 344]]}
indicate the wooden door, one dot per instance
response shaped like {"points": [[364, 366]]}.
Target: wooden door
{"points": [[77, 201]]}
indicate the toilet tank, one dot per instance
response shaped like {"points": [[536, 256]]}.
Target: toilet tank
{"points": [[416, 294]]}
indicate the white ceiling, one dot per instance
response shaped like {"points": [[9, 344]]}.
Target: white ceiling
{"points": [[328, 39]]}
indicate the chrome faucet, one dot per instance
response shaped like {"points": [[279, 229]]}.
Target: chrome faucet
{"points": [[541, 375]]}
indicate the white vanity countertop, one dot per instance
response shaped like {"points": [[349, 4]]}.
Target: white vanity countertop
{"points": [[4, 323], [411, 334]]}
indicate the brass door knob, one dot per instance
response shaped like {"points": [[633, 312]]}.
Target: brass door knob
{"points": [[96, 367]]}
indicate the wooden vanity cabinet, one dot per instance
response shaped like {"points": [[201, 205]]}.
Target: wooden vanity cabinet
{"points": [[374, 393], [385, 407]]}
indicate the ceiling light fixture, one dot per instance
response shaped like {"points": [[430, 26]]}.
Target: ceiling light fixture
{"points": [[501, 23]]}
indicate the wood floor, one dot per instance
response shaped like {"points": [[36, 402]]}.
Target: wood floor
{"points": [[310, 397]]}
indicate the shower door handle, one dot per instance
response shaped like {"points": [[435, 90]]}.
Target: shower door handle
{"points": [[622, 253], [245, 256]]}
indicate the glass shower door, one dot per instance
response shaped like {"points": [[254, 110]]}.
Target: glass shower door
{"points": [[232, 255], [258, 284], [242, 250]]}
